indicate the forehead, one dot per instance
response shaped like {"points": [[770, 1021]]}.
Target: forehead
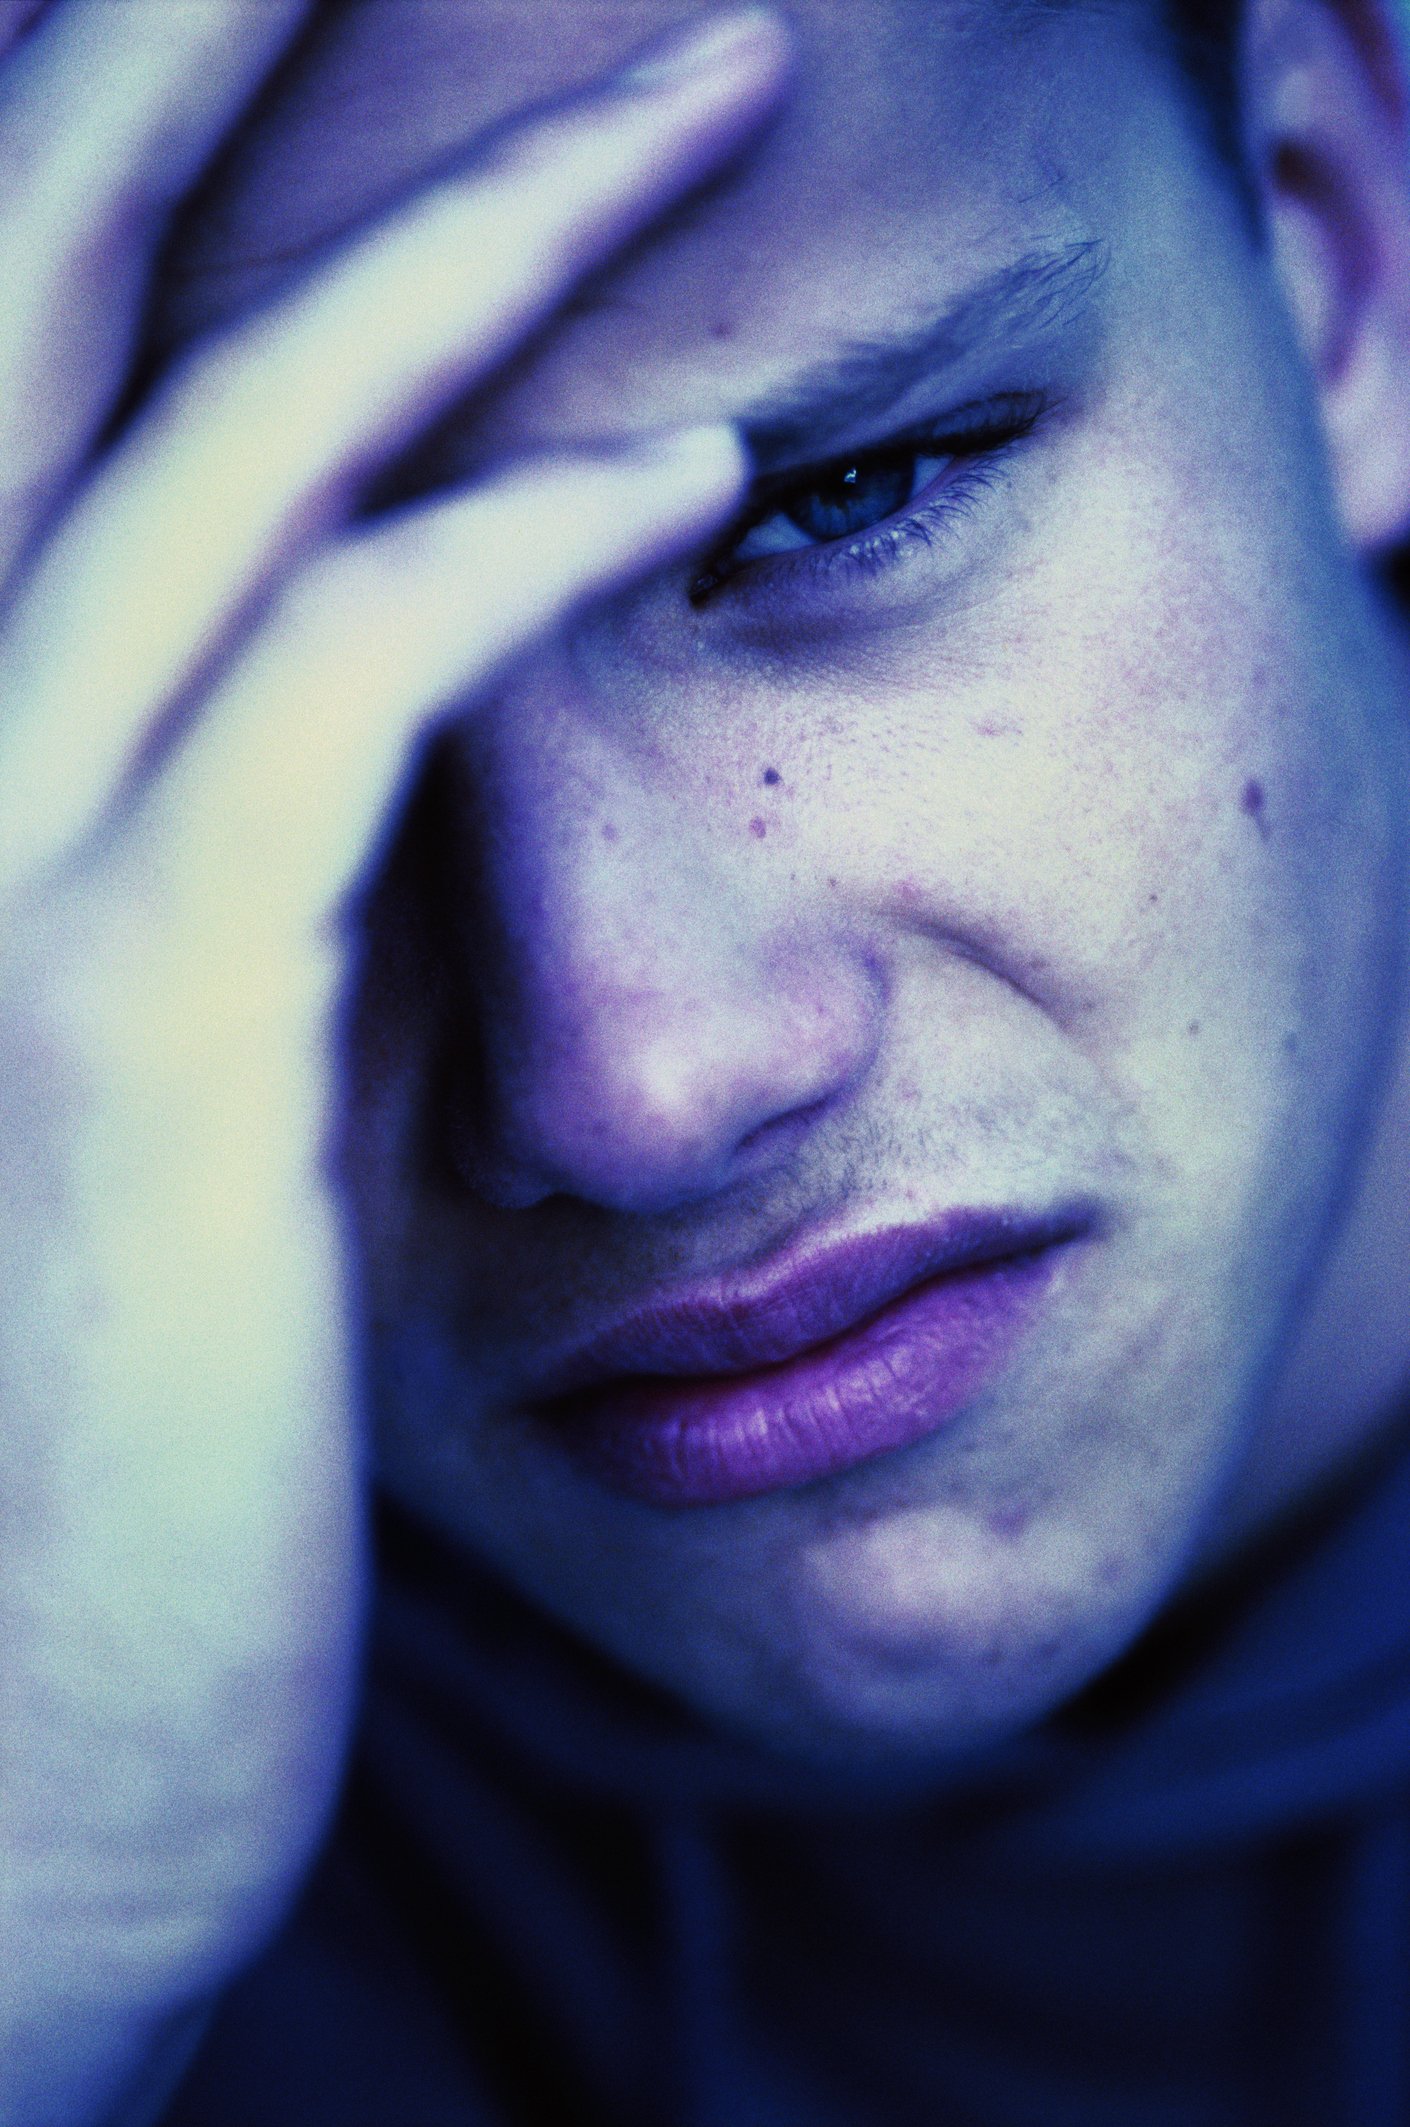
{"points": [[924, 140]]}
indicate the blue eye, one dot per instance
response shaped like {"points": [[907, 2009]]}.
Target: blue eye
{"points": [[839, 503], [825, 514], [850, 500]]}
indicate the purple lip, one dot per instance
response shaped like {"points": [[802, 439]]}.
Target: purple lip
{"points": [[760, 1381]]}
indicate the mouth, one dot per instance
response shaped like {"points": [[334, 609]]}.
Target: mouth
{"points": [[835, 1354]]}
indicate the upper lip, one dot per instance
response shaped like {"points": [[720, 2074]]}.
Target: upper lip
{"points": [[812, 1292]]}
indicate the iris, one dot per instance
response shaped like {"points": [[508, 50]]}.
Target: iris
{"points": [[852, 499]]}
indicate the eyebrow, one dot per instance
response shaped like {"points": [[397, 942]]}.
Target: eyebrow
{"points": [[1035, 295]]}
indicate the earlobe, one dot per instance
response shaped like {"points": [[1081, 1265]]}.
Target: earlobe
{"points": [[1326, 136]]}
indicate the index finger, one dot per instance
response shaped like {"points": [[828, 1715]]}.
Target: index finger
{"points": [[263, 441]]}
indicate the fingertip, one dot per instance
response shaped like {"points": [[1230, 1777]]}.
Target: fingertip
{"points": [[700, 475], [753, 38], [709, 453]]}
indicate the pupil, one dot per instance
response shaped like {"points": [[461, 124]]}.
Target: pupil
{"points": [[852, 500]]}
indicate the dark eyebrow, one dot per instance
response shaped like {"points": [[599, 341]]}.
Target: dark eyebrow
{"points": [[1034, 295]]}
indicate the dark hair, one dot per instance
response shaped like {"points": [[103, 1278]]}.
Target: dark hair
{"points": [[1206, 35]]}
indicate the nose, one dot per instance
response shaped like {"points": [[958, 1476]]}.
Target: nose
{"points": [[655, 1027]]}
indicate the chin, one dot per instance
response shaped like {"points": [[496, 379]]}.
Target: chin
{"points": [[935, 1632]]}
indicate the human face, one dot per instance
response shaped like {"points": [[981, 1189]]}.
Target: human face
{"points": [[1015, 874]]}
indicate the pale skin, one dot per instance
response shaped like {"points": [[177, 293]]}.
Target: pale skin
{"points": [[1063, 798], [181, 1571]]}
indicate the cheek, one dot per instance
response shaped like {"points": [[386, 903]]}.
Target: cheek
{"points": [[1123, 773], [1134, 781], [1203, 791]]}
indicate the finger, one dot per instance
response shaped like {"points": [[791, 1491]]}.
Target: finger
{"points": [[263, 441], [273, 805], [109, 109]]}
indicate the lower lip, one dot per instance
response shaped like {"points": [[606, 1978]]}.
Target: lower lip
{"points": [[891, 1381]]}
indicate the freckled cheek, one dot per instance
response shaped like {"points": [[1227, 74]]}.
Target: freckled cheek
{"points": [[1088, 765], [1099, 796]]}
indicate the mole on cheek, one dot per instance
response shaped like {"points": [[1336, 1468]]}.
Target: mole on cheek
{"points": [[1253, 800]]}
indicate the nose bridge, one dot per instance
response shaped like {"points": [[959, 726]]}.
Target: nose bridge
{"points": [[651, 1028]]}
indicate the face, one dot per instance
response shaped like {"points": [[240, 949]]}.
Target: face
{"points": [[865, 1038]]}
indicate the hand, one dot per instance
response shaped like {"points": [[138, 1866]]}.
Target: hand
{"points": [[213, 686]]}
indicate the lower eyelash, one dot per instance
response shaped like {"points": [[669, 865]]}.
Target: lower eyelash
{"points": [[872, 552], [889, 545]]}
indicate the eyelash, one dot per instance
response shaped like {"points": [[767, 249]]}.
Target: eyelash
{"points": [[976, 454]]}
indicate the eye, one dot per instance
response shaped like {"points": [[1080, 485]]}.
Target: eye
{"points": [[866, 510], [838, 503]]}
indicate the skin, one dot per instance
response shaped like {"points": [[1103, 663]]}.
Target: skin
{"points": [[1082, 862], [1081, 879], [180, 1591]]}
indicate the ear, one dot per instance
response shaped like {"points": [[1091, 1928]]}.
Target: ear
{"points": [[1326, 139]]}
